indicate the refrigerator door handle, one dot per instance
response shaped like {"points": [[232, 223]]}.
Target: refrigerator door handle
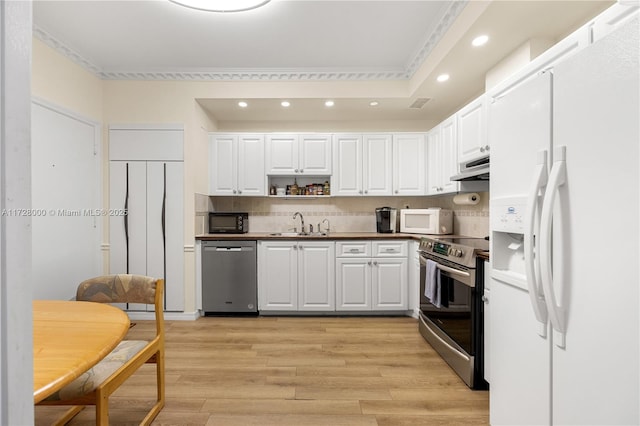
{"points": [[532, 259], [557, 178]]}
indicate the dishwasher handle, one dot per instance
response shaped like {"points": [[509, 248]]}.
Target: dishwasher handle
{"points": [[227, 249]]}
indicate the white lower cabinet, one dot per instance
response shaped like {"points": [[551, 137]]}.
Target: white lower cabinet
{"points": [[371, 275], [296, 276]]}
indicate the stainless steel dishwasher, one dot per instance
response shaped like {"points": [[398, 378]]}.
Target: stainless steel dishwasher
{"points": [[229, 277]]}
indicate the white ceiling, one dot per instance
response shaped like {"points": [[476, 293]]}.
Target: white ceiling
{"points": [[288, 41]]}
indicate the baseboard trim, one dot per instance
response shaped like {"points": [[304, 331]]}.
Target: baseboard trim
{"points": [[168, 316]]}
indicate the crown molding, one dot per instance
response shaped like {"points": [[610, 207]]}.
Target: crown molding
{"points": [[448, 17]]}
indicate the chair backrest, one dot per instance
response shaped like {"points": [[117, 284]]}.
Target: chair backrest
{"points": [[125, 288]]}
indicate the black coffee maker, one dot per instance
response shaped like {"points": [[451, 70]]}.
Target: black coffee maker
{"points": [[386, 220]]}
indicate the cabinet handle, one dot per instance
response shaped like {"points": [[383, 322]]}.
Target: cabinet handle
{"points": [[396, 191], [390, 250], [295, 247], [375, 263], [234, 191], [301, 170], [485, 299], [366, 191], [296, 170], [239, 191], [486, 148], [369, 263], [354, 250], [482, 149], [360, 191]]}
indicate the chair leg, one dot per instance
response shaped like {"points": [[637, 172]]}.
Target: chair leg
{"points": [[68, 415], [102, 409]]}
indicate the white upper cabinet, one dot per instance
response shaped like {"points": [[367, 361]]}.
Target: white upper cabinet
{"points": [[442, 158], [347, 165], [472, 131], [291, 154], [377, 164], [409, 164], [236, 164]]}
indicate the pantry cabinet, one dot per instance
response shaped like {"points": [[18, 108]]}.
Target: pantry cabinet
{"points": [[296, 276], [236, 164], [442, 155], [146, 178], [298, 154], [371, 276]]}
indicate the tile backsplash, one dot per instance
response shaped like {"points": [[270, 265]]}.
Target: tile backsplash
{"points": [[345, 214]]}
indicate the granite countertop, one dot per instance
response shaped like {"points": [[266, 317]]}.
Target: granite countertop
{"points": [[330, 236]]}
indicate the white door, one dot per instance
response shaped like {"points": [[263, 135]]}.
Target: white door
{"points": [[472, 137], [315, 154], [434, 164], [347, 165], [282, 154], [377, 164], [409, 164], [223, 157], [597, 85], [173, 234], [389, 284], [278, 276], [448, 156], [519, 128], [250, 166], [316, 276], [353, 284]]}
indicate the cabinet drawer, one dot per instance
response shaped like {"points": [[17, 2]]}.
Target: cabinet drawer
{"points": [[389, 248], [353, 249]]}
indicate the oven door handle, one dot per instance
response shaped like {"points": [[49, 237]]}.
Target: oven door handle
{"points": [[452, 271]]}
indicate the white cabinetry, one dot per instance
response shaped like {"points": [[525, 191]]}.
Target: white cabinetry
{"points": [[236, 164], [146, 178], [409, 163], [296, 276], [371, 275], [293, 154], [472, 131], [362, 165], [442, 158]]}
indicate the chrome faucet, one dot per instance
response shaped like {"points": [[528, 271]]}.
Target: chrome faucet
{"points": [[328, 225], [296, 214]]}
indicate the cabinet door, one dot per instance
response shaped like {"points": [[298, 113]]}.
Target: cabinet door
{"points": [[315, 154], [377, 164], [353, 284], [448, 156], [409, 164], [250, 165], [347, 165], [277, 276], [389, 284], [165, 230], [223, 157], [472, 131], [434, 165], [282, 154], [316, 276]]}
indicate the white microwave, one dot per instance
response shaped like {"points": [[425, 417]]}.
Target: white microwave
{"points": [[426, 221]]}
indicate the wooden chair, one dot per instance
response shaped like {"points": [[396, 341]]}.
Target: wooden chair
{"points": [[96, 385]]}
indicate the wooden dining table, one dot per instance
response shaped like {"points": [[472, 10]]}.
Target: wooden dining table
{"points": [[69, 338]]}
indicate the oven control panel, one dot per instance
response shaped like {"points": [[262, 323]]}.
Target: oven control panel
{"points": [[443, 249]]}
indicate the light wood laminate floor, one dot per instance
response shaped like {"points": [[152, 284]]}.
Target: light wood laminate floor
{"points": [[295, 371]]}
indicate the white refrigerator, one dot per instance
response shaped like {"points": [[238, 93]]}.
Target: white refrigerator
{"points": [[565, 241]]}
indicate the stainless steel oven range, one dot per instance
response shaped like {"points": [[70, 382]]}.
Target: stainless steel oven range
{"points": [[454, 324]]}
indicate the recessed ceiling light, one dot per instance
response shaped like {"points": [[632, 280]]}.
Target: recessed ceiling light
{"points": [[285, 104], [373, 103], [443, 77], [243, 104], [221, 5], [480, 40], [329, 103]]}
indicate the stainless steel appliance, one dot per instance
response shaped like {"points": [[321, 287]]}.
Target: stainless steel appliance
{"points": [[229, 277], [386, 220], [228, 223], [454, 327]]}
